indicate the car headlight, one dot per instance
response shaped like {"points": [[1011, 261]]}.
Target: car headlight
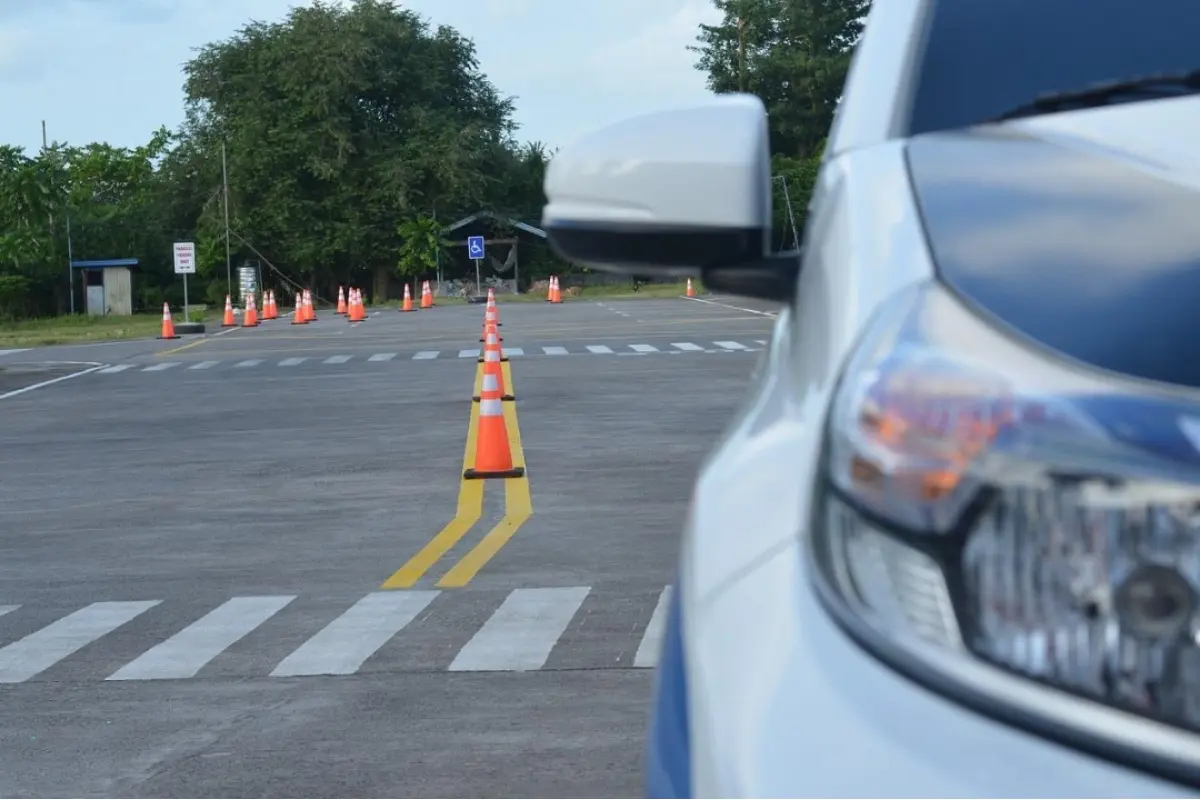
{"points": [[1018, 531]]}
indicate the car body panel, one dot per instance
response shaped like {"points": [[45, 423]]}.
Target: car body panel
{"points": [[1090, 252]]}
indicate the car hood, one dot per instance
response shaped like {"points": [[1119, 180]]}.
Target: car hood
{"points": [[1079, 230]]}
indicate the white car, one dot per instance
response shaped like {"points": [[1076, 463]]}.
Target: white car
{"points": [[950, 546]]}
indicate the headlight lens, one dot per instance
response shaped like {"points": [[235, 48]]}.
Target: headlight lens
{"points": [[992, 504]]}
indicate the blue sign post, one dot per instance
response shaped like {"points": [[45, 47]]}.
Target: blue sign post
{"points": [[475, 252]]}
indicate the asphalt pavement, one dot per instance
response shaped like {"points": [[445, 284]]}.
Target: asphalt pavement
{"points": [[246, 564]]}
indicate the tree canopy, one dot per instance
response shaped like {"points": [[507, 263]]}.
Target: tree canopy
{"points": [[793, 54]]}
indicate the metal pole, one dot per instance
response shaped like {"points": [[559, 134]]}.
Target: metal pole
{"points": [[225, 190], [478, 285], [185, 299], [67, 216]]}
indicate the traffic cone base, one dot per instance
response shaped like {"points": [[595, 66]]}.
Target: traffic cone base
{"points": [[515, 472]]}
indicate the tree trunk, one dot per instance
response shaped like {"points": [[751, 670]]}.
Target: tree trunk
{"points": [[379, 294]]}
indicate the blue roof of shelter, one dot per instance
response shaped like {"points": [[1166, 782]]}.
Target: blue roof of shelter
{"points": [[105, 263]]}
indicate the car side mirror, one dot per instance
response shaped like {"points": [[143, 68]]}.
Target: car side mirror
{"points": [[675, 193]]}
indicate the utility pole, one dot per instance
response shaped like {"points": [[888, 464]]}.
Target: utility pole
{"points": [[67, 215], [225, 191], [741, 23]]}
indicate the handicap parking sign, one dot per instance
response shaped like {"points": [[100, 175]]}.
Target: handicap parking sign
{"points": [[475, 247]]}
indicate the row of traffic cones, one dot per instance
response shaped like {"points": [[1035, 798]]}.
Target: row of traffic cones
{"points": [[250, 317], [347, 300], [493, 454]]}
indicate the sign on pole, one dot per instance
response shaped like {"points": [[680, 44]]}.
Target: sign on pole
{"points": [[185, 264], [185, 258], [475, 252]]}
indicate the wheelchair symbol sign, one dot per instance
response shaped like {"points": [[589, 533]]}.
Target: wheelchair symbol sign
{"points": [[475, 247]]}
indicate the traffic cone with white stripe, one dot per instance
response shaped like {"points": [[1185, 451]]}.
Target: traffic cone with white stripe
{"points": [[168, 327], [341, 306], [250, 315], [229, 321], [407, 304], [550, 289], [491, 366], [298, 311], [309, 311], [274, 305], [489, 331], [555, 291], [426, 295], [495, 309], [490, 319], [493, 455], [690, 291]]}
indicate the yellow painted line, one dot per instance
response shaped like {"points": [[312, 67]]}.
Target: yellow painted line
{"points": [[518, 508], [470, 509], [182, 347]]}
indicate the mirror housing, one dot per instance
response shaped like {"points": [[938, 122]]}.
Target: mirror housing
{"points": [[685, 192]]}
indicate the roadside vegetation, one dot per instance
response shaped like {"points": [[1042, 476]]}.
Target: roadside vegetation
{"points": [[349, 136]]}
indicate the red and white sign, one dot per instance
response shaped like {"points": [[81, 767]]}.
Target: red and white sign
{"points": [[185, 258]]}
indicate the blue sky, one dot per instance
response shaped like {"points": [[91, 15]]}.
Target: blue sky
{"points": [[109, 70]]}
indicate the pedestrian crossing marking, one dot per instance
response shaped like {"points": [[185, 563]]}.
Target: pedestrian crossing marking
{"points": [[185, 653], [674, 348], [520, 634], [342, 646], [42, 649]]}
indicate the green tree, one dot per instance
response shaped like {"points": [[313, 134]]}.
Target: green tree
{"points": [[793, 54], [422, 244], [340, 120]]}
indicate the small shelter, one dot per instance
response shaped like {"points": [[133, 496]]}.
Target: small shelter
{"points": [[502, 235], [107, 286]]}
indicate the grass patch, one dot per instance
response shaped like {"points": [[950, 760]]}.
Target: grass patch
{"points": [[81, 329]]}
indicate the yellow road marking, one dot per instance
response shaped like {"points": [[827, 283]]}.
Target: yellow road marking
{"points": [[470, 509], [518, 507], [182, 347]]}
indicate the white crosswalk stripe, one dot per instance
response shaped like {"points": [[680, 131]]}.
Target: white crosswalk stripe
{"points": [[426, 355], [468, 354], [250, 362], [513, 351], [599, 348], [689, 346], [204, 365], [342, 646], [555, 351], [731, 345], [42, 649], [382, 357], [647, 652], [643, 348], [760, 341], [185, 653], [160, 367], [521, 634], [114, 369], [291, 362], [337, 359]]}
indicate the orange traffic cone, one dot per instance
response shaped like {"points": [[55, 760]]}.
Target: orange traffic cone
{"points": [[309, 310], [490, 320], [555, 291], [250, 315], [407, 304], [489, 329], [298, 311], [229, 321], [491, 304], [491, 365], [493, 456], [356, 307], [690, 291], [426, 296], [168, 327], [550, 289], [341, 306], [272, 306]]}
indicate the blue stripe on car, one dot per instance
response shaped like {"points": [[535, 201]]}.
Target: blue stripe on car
{"points": [[668, 751]]}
